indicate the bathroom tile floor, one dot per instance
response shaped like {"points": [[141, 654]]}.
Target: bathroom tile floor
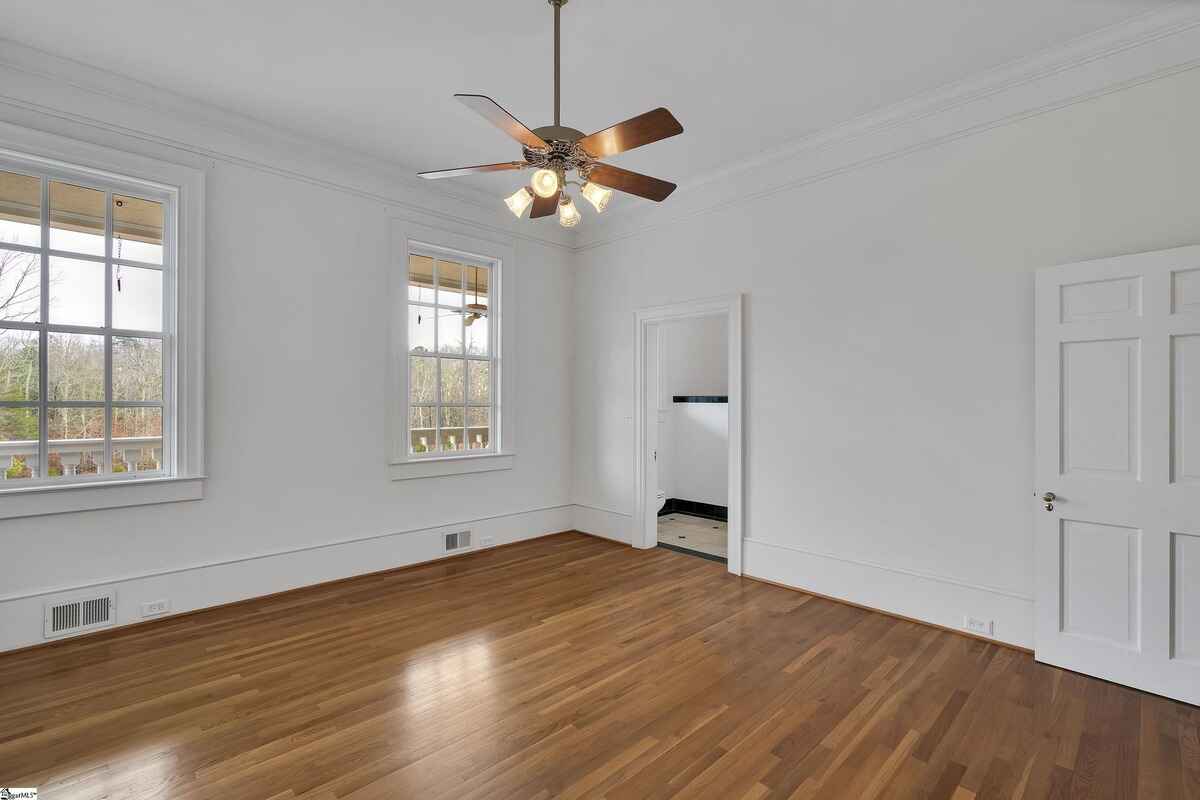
{"points": [[694, 533]]}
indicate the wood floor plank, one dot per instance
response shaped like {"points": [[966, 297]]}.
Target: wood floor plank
{"points": [[571, 667]]}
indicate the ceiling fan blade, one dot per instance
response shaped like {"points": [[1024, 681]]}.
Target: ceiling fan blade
{"points": [[544, 206], [490, 110], [631, 182], [643, 129], [454, 173]]}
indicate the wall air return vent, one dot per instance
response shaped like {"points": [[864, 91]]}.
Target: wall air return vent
{"points": [[79, 615], [458, 541]]}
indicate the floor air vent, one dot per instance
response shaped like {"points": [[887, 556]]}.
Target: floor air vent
{"points": [[68, 617], [458, 541]]}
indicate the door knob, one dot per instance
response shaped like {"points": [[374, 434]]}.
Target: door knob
{"points": [[1048, 498]]}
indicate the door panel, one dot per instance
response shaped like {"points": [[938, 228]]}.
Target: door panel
{"points": [[1118, 444], [1101, 434], [1100, 573], [1185, 579], [1185, 291], [1185, 427], [1110, 299]]}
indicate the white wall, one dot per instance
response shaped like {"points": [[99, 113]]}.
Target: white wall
{"points": [[694, 437], [694, 356], [889, 343], [297, 342]]}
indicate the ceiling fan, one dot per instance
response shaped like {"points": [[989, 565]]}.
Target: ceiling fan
{"points": [[555, 150]]}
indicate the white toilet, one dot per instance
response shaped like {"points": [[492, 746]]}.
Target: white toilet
{"points": [[662, 500]]}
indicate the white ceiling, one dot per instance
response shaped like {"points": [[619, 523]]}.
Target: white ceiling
{"points": [[378, 76]]}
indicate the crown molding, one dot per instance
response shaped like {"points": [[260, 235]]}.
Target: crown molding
{"points": [[1148, 47], [38, 88]]}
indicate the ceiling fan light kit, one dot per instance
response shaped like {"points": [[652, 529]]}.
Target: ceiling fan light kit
{"points": [[545, 183], [568, 214], [520, 200], [597, 195], [553, 151]]}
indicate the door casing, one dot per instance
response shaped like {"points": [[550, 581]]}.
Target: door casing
{"points": [[729, 307]]}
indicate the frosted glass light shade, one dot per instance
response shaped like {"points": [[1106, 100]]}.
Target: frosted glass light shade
{"points": [[545, 183], [597, 195], [568, 214], [520, 200]]}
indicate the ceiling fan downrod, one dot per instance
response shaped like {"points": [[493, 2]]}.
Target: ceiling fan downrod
{"points": [[558, 4]]}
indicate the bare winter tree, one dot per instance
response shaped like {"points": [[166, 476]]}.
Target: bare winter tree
{"points": [[20, 289], [20, 300]]}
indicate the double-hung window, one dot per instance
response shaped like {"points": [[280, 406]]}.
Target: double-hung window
{"points": [[87, 284], [453, 350], [452, 368]]}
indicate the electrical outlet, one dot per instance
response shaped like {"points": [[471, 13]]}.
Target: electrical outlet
{"points": [[155, 607], [487, 541], [983, 627]]}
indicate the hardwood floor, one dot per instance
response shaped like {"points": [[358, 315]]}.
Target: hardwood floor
{"points": [[572, 667]]}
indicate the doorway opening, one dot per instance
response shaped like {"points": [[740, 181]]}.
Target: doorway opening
{"points": [[689, 429]]}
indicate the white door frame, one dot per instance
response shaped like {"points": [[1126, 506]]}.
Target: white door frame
{"points": [[729, 307]]}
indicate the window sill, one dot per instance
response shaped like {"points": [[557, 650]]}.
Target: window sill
{"points": [[450, 465], [36, 501]]}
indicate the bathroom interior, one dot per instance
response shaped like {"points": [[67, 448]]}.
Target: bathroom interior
{"points": [[691, 437]]}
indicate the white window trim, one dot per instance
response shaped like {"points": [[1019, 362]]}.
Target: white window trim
{"points": [[409, 236], [185, 185]]}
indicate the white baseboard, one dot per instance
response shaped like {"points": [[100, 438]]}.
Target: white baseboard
{"points": [[206, 585], [602, 522], [933, 599]]}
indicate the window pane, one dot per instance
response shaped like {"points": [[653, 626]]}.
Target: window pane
{"points": [[420, 329], [20, 209], [137, 369], [20, 286], [75, 363], [478, 429], [76, 292], [450, 276], [145, 457], [477, 335], [477, 279], [422, 380], [452, 380], [137, 423], [422, 429], [76, 219], [453, 437], [19, 367], [76, 441], [137, 440], [75, 424], [450, 331], [480, 384], [420, 279], [137, 229], [18, 443], [137, 296]]}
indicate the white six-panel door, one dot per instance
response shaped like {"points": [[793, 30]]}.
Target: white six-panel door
{"points": [[1118, 445]]}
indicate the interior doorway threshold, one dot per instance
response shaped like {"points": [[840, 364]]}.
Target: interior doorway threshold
{"points": [[696, 553]]}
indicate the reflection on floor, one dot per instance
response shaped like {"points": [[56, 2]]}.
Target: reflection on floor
{"points": [[706, 536]]}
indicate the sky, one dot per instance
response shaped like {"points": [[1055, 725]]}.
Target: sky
{"points": [[77, 285]]}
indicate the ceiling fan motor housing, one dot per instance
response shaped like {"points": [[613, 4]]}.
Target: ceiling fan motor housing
{"points": [[561, 155]]}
